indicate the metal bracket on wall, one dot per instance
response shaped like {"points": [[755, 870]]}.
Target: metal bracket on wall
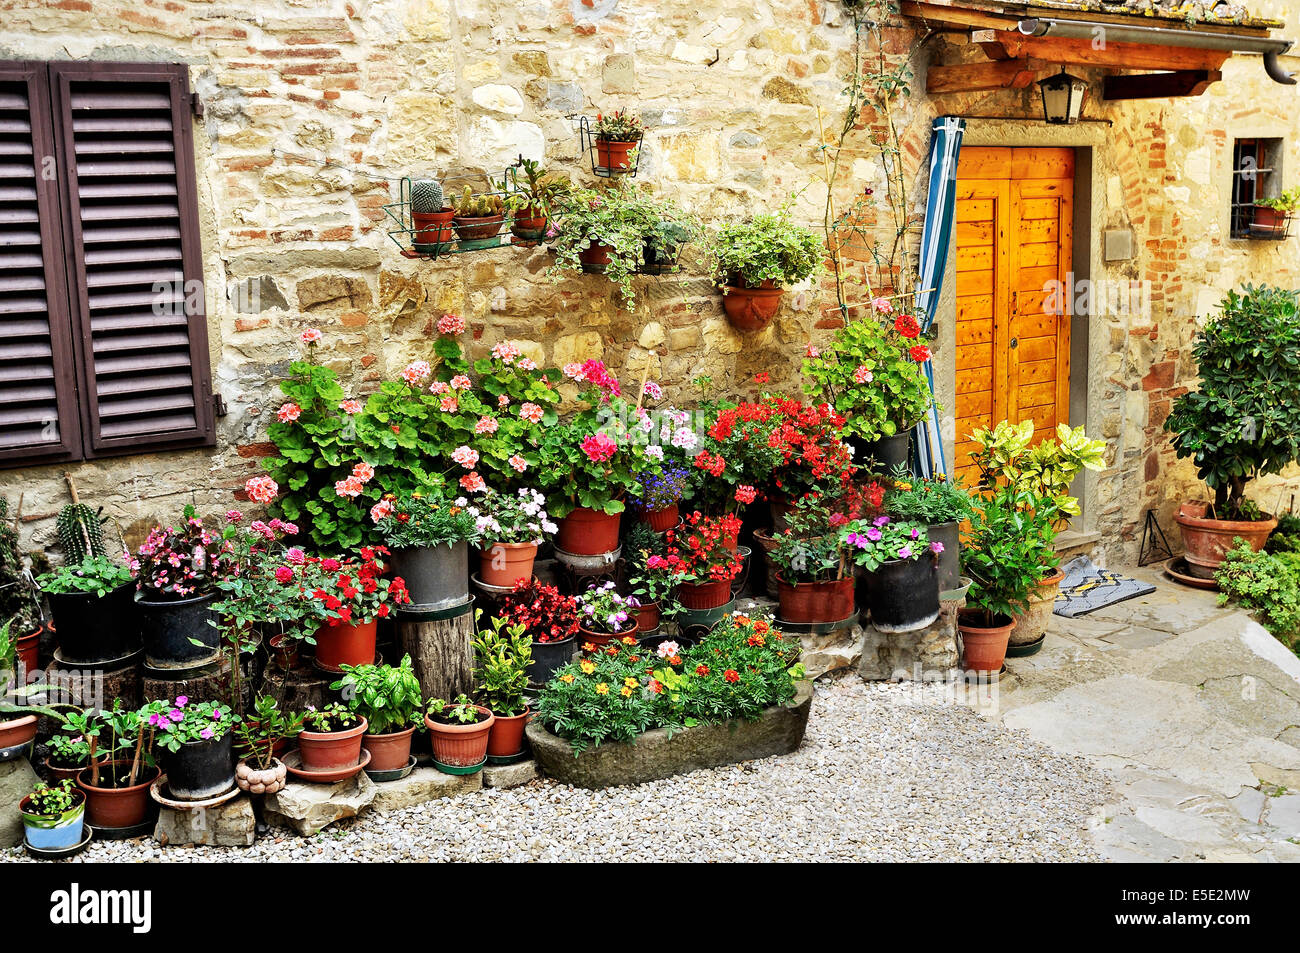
{"points": [[1154, 544]]}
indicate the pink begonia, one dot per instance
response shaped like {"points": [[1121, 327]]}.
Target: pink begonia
{"points": [[449, 404], [380, 510], [531, 412], [350, 406], [461, 382], [363, 472], [863, 375], [883, 305], [288, 412], [234, 516], [505, 352], [262, 489], [311, 336], [451, 324], [472, 483], [349, 487], [486, 425], [518, 462], [465, 456], [416, 373]]}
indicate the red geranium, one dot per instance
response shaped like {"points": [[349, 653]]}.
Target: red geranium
{"points": [[920, 353], [699, 550], [907, 326], [352, 590]]}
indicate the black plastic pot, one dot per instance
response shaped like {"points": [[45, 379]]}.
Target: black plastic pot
{"points": [[904, 594], [548, 657], [168, 628], [950, 559], [93, 629], [201, 769], [886, 453]]}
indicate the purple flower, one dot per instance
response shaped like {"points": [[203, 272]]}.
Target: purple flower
{"points": [[936, 548], [905, 552], [852, 539], [915, 533], [873, 535], [216, 714], [175, 714], [205, 733], [155, 719], [182, 700], [880, 521]]}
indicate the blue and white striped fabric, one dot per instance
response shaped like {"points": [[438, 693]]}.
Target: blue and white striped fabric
{"points": [[945, 145]]}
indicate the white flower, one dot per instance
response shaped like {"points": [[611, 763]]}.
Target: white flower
{"points": [[655, 452]]}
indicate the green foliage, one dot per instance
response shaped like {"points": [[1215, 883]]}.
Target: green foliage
{"points": [[1045, 470], [18, 599], [741, 668], [259, 732], [928, 502], [501, 659], [333, 717], [867, 374], [81, 532], [1006, 551], [1286, 201], [767, 247], [619, 126], [387, 696], [462, 711], [1244, 420], [821, 558], [873, 543], [1285, 538], [1266, 583], [69, 751], [97, 574], [540, 190], [51, 800], [426, 518]]}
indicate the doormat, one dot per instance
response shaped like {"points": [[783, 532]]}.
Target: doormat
{"points": [[1086, 588]]}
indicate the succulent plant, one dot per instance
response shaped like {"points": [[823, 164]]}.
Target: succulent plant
{"points": [[469, 205], [426, 195], [80, 530]]}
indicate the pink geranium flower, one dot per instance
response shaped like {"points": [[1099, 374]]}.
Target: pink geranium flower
{"points": [[350, 406], [465, 456], [311, 336], [472, 483], [531, 412], [451, 324], [262, 489], [288, 412], [416, 373], [599, 447], [518, 462], [486, 425]]}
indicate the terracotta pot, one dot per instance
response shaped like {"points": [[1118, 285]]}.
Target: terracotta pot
{"points": [[1032, 623], [331, 749], [661, 520], [1205, 540], [284, 651], [117, 807], [828, 601], [434, 228], [1269, 219], [529, 224], [261, 780], [460, 746], [507, 735], [750, 309], [602, 639], [704, 595], [612, 154], [647, 617], [984, 648], [504, 564], [29, 647], [344, 644], [587, 532], [17, 731], [59, 774], [390, 751], [471, 228], [595, 257]]}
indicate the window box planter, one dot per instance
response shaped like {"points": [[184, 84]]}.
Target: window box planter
{"points": [[655, 755]]}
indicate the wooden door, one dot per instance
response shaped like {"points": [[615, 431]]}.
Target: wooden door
{"points": [[1013, 235]]}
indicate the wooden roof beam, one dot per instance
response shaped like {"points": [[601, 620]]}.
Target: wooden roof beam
{"points": [[1159, 85], [977, 77], [1081, 52]]}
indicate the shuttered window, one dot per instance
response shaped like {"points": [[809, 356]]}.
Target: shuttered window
{"points": [[125, 231]]}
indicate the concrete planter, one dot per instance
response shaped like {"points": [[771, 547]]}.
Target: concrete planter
{"points": [[778, 730]]}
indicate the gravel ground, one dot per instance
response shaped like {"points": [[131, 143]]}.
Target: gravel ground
{"points": [[877, 778]]}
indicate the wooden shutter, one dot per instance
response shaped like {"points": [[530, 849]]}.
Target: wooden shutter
{"points": [[38, 410], [135, 265]]}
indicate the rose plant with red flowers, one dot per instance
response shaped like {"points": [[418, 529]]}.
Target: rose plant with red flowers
{"points": [[871, 373], [545, 614]]}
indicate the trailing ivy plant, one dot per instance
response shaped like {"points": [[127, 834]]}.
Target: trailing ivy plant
{"points": [[1244, 419], [767, 247]]}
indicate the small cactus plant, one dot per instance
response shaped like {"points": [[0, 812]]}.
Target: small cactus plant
{"points": [[469, 205], [81, 534], [426, 196]]}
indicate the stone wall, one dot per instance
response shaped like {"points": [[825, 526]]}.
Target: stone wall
{"points": [[314, 108]]}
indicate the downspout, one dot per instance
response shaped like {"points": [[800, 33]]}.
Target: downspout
{"points": [[1270, 49]]}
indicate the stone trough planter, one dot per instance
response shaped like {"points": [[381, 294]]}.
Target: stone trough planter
{"points": [[778, 730]]}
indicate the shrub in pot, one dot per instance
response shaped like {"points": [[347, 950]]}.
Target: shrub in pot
{"points": [[53, 815], [459, 733], [387, 698], [330, 737], [617, 134], [605, 615], [814, 577], [260, 737], [871, 374], [502, 657], [511, 526], [755, 260], [903, 564], [177, 568], [940, 505], [429, 537], [1242, 422], [1271, 214], [550, 620], [701, 560], [196, 745], [652, 587], [1003, 554], [93, 605], [68, 755], [121, 765]]}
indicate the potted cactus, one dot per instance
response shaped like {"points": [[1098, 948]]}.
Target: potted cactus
{"points": [[478, 218], [430, 218], [617, 134]]}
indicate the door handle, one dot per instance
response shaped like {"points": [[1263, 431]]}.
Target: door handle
{"points": [[1015, 343]]}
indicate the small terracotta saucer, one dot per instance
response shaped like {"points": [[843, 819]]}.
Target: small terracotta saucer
{"points": [[1176, 569], [293, 762]]}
